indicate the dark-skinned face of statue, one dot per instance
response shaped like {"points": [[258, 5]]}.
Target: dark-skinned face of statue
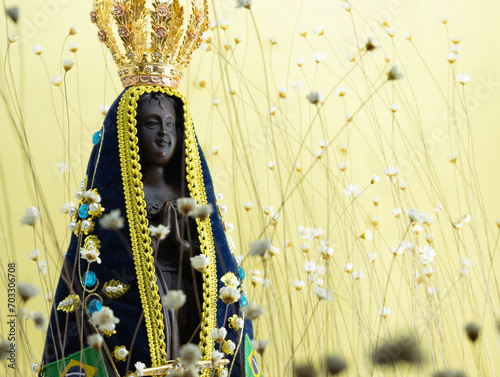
{"points": [[156, 131]]}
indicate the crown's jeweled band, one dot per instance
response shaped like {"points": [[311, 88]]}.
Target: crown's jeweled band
{"points": [[150, 80]]}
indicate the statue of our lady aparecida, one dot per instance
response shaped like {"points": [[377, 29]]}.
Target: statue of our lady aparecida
{"points": [[149, 285]]}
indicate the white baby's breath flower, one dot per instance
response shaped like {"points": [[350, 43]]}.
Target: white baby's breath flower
{"points": [[27, 290], [95, 341], [217, 356], [465, 262], [272, 39], [92, 197], [248, 205], [56, 80], [456, 39], [244, 3], [259, 247], [367, 235], [42, 267], [272, 110], [358, 275], [384, 312], [463, 78], [375, 179], [282, 92], [34, 255], [391, 32], [229, 294], [201, 83], [104, 318], [376, 201], [444, 19], [68, 64], [451, 57], [341, 91], [40, 320], [319, 30], [37, 50], [190, 354], [49, 297], [31, 216], [139, 368], [112, 220], [318, 57], [296, 85], [186, 205], [271, 165], [323, 294], [218, 334], [348, 268], [199, 262], [372, 257], [90, 255], [223, 23], [215, 101], [252, 311], [68, 208], [62, 167], [407, 36], [299, 62], [214, 151], [237, 38], [347, 6], [426, 254], [309, 267], [431, 291], [160, 232], [201, 212], [73, 30], [12, 37], [260, 345], [390, 171], [299, 284], [73, 47], [174, 299], [352, 191], [395, 73], [394, 108], [104, 109]]}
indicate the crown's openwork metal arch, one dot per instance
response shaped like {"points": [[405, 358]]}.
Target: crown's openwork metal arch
{"points": [[157, 44]]}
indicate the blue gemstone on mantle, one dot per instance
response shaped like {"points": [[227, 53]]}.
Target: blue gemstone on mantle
{"points": [[96, 137], [89, 279], [94, 306], [243, 300], [241, 273], [83, 212]]}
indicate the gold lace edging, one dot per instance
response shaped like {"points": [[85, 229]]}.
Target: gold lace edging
{"points": [[138, 225]]}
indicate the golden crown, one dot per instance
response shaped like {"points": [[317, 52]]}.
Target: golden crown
{"points": [[161, 58]]}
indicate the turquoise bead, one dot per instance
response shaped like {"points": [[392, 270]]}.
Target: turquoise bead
{"points": [[89, 279], [96, 137], [83, 212], [243, 300], [241, 273], [94, 306]]}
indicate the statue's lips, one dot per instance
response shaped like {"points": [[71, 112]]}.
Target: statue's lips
{"points": [[163, 142]]}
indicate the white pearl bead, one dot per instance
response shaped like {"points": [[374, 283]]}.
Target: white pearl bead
{"points": [[72, 226], [79, 194], [86, 225], [94, 207]]}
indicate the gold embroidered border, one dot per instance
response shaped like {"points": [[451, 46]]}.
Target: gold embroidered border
{"points": [[138, 224]]}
